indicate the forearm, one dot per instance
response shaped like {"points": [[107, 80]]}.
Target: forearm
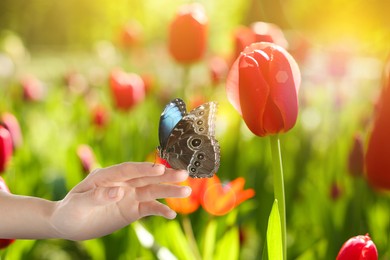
{"points": [[24, 217]]}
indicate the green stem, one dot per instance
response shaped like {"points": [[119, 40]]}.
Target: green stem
{"points": [[190, 236], [279, 186]]}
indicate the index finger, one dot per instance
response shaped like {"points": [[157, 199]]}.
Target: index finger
{"points": [[130, 170]]}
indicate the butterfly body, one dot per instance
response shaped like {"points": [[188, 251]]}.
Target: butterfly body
{"points": [[187, 139]]}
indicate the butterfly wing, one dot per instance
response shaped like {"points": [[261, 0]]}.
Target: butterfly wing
{"points": [[169, 118], [192, 145]]}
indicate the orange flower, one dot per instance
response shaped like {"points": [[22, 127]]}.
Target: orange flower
{"points": [[263, 86], [190, 204], [188, 34], [219, 199]]}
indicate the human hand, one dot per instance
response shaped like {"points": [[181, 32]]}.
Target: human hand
{"points": [[113, 197]]}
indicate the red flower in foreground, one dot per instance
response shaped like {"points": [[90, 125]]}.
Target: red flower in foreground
{"points": [[359, 248], [5, 148], [377, 155], [263, 86], [10, 122], [188, 34], [4, 242], [127, 89]]}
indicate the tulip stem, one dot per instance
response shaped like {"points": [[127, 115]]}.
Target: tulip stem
{"points": [[279, 186], [190, 236]]}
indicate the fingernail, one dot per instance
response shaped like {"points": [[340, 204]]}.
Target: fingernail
{"points": [[187, 190], [113, 192], [172, 215]]}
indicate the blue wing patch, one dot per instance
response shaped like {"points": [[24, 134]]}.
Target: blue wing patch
{"points": [[169, 118]]}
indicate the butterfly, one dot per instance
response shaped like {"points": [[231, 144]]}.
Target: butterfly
{"points": [[187, 139]]}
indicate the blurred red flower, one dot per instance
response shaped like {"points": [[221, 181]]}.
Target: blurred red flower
{"points": [[11, 123], [33, 89], [359, 248], [5, 148], [131, 34], [4, 242], [377, 155], [263, 85], [87, 158], [127, 89], [188, 34], [257, 32], [269, 32], [100, 116], [218, 69], [219, 199], [356, 157]]}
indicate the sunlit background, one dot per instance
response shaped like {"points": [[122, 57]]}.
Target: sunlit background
{"points": [[70, 48]]}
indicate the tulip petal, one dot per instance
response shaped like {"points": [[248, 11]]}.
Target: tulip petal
{"points": [[253, 92], [284, 81]]}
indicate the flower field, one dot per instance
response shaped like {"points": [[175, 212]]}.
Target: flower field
{"points": [[303, 117]]}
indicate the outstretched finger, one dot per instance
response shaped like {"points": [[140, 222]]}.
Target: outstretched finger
{"points": [[170, 176], [150, 208], [129, 170], [161, 191]]}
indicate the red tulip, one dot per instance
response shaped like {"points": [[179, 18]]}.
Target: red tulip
{"points": [[5, 148], [377, 155], [4, 242], [219, 199], [356, 157], [127, 89], [188, 34], [359, 248], [10, 122], [263, 86]]}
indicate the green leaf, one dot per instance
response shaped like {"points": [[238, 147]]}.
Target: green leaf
{"points": [[274, 234], [229, 245], [209, 241]]}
